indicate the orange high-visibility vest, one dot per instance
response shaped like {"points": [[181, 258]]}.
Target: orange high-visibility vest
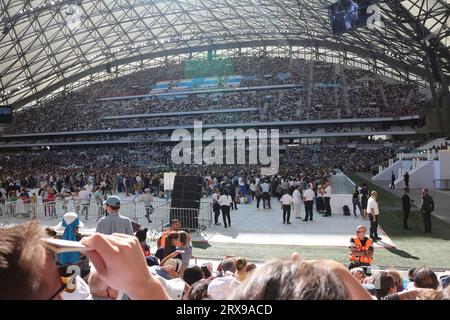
{"points": [[360, 247], [161, 242]]}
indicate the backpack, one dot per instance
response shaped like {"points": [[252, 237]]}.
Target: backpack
{"points": [[346, 210]]}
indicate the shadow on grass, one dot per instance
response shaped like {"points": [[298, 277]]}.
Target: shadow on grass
{"points": [[394, 227], [401, 253]]}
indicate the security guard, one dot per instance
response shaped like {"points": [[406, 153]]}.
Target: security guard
{"points": [[361, 249]]}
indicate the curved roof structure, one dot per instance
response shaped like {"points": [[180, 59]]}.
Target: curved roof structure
{"points": [[49, 45]]}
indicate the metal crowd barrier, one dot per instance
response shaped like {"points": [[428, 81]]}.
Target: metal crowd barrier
{"points": [[157, 220]]}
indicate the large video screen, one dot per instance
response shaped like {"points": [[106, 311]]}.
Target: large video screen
{"points": [[347, 15], [5, 114]]}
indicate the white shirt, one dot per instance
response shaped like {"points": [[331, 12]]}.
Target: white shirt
{"points": [[173, 287], [372, 204], [287, 199], [265, 187], [84, 196], [89, 188], [215, 196], [147, 198], [220, 287], [225, 200], [297, 196], [327, 192], [308, 195]]}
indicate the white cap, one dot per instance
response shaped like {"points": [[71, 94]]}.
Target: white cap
{"points": [[69, 217]]}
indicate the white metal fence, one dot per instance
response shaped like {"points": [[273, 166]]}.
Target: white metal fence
{"points": [[156, 218]]}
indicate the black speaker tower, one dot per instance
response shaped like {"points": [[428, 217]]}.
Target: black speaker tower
{"points": [[185, 206]]}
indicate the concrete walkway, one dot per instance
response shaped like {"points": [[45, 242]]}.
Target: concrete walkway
{"points": [[441, 198], [253, 226]]}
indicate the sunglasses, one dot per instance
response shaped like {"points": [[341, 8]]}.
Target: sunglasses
{"points": [[65, 281]]}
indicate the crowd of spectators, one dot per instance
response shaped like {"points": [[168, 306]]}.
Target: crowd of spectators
{"points": [[80, 110], [324, 72], [74, 168]]}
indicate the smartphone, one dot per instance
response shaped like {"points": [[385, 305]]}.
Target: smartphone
{"points": [[60, 246]]}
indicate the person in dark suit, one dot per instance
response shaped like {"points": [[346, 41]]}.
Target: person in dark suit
{"points": [[406, 178], [427, 208], [392, 185], [406, 206]]}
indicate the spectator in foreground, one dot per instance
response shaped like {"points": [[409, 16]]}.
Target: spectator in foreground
{"points": [[69, 224], [250, 268], [398, 280], [192, 274], [358, 273], [111, 255], [301, 280], [384, 284], [100, 290], [199, 290], [171, 243], [425, 278], [114, 222], [175, 226], [141, 234], [186, 246], [386, 289], [23, 253], [220, 287], [241, 269]]}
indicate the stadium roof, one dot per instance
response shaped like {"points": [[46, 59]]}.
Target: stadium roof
{"points": [[49, 45]]}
